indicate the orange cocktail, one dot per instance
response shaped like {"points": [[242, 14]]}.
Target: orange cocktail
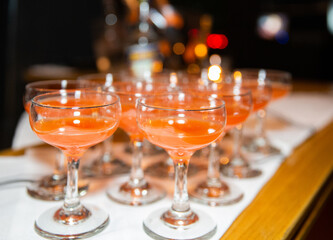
{"points": [[128, 121], [280, 90], [280, 82], [180, 123], [136, 190], [181, 136], [52, 187], [73, 120], [238, 101], [261, 93], [71, 133]]}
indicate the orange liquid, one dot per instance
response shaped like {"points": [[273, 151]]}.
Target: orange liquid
{"points": [[181, 136], [128, 122], [129, 92], [27, 106], [279, 91], [259, 103], [261, 94], [76, 133], [236, 114], [73, 134], [72, 102]]}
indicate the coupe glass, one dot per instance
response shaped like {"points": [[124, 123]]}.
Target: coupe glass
{"points": [[176, 80], [136, 190], [238, 100], [259, 146], [238, 165], [73, 121], [52, 187], [106, 164], [181, 124]]}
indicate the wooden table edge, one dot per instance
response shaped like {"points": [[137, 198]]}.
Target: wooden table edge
{"points": [[313, 202]]}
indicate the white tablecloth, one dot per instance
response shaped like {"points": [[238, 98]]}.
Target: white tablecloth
{"points": [[290, 121]]}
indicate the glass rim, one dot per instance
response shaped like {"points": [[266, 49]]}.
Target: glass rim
{"points": [[245, 91], [100, 76], [142, 94], [222, 105], [269, 71], [53, 81], [72, 91]]}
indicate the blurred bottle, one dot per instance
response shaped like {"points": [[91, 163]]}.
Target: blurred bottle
{"points": [[143, 50], [109, 32]]}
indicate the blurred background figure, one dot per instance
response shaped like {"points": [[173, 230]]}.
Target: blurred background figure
{"points": [[65, 39]]}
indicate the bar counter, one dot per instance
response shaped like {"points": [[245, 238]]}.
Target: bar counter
{"points": [[289, 203], [306, 175]]}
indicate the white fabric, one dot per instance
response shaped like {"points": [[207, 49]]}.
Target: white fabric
{"points": [[24, 136], [305, 113]]}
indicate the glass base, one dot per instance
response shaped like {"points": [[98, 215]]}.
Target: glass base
{"points": [[101, 169], [47, 227], [242, 171], [122, 192], [204, 228], [52, 189], [258, 149], [223, 194]]}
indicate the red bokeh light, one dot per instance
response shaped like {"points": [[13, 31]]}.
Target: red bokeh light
{"points": [[193, 32], [217, 41]]}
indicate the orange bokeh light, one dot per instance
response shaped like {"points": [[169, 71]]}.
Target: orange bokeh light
{"points": [[237, 76], [178, 48], [200, 50]]}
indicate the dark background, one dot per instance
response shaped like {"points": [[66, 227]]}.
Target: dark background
{"points": [[60, 32]]}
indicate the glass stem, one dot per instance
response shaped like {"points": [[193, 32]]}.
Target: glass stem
{"points": [[137, 175], [72, 212], [72, 200], [180, 214], [236, 156], [213, 173], [180, 197], [59, 170], [260, 126], [107, 150]]}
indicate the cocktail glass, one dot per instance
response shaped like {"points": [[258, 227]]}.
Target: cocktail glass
{"points": [[181, 124], [106, 164], [176, 80], [136, 190], [238, 165], [73, 121], [52, 187], [259, 145], [214, 191]]}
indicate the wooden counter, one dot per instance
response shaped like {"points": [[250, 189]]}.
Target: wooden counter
{"points": [[288, 204]]}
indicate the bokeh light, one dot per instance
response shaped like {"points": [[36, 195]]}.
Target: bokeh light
{"points": [[282, 37], [215, 73], [103, 64], [200, 50], [238, 77], [273, 26], [111, 19], [193, 68], [329, 19], [217, 41], [178, 48], [215, 59]]}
